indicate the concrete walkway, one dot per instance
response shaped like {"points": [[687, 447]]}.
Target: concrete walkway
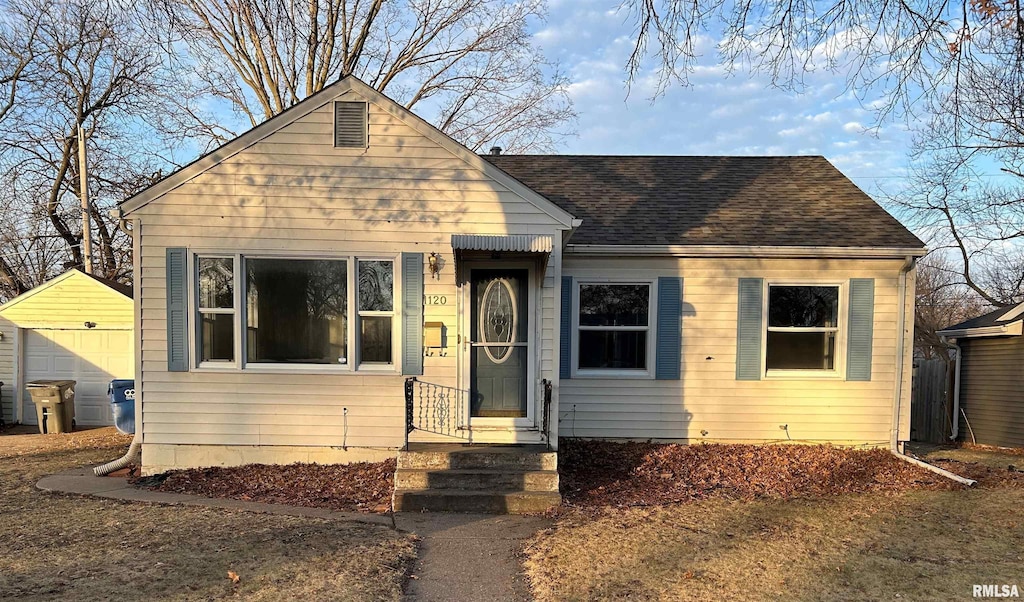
{"points": [[469, 557], [465, 557]]}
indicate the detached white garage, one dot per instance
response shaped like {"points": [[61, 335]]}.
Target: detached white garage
{"points": [[75, 327]]}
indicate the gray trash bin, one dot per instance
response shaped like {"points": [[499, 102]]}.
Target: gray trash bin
{"points": [[55, 404]]}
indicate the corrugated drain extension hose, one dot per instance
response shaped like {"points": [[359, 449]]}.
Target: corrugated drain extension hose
{"points": [[132, 457]]}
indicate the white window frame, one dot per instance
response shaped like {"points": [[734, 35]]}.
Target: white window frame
{"points": [[352, 366], [197, 312], [651, 329], [839, 363], [359, 314]]}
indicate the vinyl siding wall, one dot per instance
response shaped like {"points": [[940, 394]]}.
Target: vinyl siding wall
{"points": [[295, 194], [708, 403], [72, 302], [7, 367], [992, 390]]}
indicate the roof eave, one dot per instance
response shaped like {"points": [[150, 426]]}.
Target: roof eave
{"points": [[999, 330], [747, 251]]}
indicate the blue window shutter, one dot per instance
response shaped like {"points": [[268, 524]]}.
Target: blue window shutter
{"points": [[412, 315], [565, 331], [667, 358], [860, 330], [748, 329], [177, 309]]}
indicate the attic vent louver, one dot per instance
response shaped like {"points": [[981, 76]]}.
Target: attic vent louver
{"points": [[350, 124]]}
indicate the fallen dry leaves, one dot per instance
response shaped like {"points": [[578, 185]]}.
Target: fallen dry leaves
{"points": [[601, 474], [361, 487]]}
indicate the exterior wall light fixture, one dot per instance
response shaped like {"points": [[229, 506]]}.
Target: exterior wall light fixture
{"points": [[435, 267]]}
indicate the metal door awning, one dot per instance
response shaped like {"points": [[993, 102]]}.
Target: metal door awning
{"points": [[512, 243], [532, 247]]}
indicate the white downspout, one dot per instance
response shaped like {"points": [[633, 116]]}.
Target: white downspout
{"points": [[901, 338], [134, 454], [955, 430], [908, 264]]}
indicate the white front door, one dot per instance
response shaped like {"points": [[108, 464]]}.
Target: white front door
{"points": [[91, 357]]}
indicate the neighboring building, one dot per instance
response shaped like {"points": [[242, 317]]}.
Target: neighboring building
{"points": [[76, 327], [291, 281], [989, 378]]}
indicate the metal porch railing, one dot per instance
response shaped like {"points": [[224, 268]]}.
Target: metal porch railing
{"points": [[432, 408]]}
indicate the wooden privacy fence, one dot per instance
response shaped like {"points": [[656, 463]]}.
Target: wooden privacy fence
{"points": [[929, 406]]}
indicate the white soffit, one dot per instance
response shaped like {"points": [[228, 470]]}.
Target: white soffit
{"points": [[1013, 313]]}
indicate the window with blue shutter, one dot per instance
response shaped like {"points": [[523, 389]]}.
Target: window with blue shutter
{"points": [[412, 317], [616, 329], [670, 337], [748, 329], [177, 310], [860, 333], [803, 327]]}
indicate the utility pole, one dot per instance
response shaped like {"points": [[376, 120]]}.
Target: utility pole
{"points": [[83, 185]]}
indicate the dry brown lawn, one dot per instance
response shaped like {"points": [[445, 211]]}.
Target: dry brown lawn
{"points": [[911, 545], [77, 548]]}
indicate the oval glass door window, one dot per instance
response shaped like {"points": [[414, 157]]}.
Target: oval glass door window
{"points": [[499, 318]]}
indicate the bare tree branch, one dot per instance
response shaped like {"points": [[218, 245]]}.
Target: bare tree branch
{"points": [[264, 56], [96, 66]]}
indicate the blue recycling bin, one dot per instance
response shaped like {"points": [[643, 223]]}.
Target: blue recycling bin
{"points": [[122, 404]]}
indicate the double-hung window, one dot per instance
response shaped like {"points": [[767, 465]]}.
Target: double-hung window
{"points": [[803, 325], [215, 306], [614, 327], [376, 312], [276, 311]]}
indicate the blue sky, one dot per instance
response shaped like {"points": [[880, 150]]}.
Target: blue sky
{"points": [[716, 113]]}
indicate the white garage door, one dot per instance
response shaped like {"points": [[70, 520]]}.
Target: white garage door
{"points": [[91, 357]]}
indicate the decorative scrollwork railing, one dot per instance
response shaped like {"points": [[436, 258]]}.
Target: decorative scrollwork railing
{"points": [[546, 424], [434, 408]]}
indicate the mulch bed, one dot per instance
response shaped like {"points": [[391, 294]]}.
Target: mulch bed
{"points": [[360, 487], [600, 474]]}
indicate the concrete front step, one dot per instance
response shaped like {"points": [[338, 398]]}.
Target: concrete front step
{"points": [[460, 457], [485, 502], [479, 479], [497, 479]]}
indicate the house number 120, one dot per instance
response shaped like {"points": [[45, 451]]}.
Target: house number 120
{"points": [[435, 300]]}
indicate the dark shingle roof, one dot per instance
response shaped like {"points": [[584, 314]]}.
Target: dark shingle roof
{"points": [[663, 200], [983, 321], [124, 289]]}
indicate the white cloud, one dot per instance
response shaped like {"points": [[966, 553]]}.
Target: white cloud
{"points": [[717, 113], [797, 131]]}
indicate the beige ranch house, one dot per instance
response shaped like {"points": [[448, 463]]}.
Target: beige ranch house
{"points": [[345, 280]]}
